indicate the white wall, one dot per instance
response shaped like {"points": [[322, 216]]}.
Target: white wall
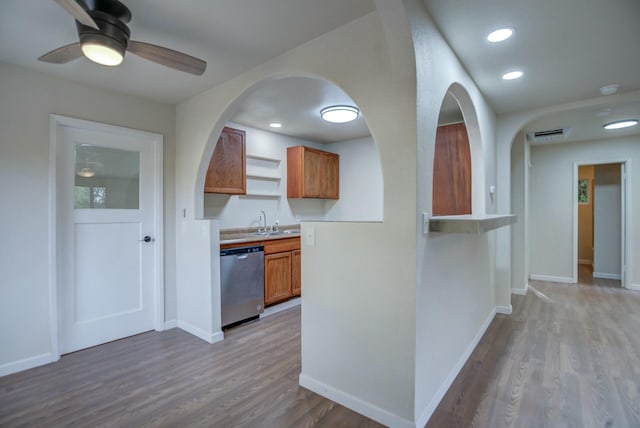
{"points": [[552, 201], [359, 278], [519, 205], [244, 212], [26, 101], [607, 221], [455, 297], [361, 183]]}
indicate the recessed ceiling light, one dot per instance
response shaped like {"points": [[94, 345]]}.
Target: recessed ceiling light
{"points": [[621, 124], [275, 125], [339, 114], [500, 35], [513, 75]]}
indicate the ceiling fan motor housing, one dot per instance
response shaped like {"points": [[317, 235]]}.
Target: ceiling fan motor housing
{"points": [[104, 38], [113, 32]]}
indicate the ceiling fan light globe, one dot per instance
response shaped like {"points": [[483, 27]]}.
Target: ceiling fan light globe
{"points": [[86, 173], [102, 54]]}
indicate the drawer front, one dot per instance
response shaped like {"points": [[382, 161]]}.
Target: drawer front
{"points": [[281, 245]]}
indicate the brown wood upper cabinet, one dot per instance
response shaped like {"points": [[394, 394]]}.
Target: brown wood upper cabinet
{"points": [[452, 171], [312, 173], [226, 173]]}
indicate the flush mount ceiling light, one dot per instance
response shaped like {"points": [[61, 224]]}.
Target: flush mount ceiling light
{"points": [[339, 114], [621, 124], [609, 89], [275, 125], [500, 35], [86, 173], [512, 75]]}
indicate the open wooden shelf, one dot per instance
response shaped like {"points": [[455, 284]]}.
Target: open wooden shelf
{"points": [[470, 223]]}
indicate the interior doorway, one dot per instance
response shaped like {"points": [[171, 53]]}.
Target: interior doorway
{"points": [[107, 276], [600, 223]]}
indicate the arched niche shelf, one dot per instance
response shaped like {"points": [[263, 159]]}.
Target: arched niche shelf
{"points": [[452, 162], [458, 170]]}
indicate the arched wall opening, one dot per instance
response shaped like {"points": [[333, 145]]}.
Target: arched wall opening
{"points": [[544, 176], [347, 260], [461, 159], [511, 130], [294, 101]]}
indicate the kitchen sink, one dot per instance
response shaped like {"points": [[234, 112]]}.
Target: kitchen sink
{"points": [[276, 233]]}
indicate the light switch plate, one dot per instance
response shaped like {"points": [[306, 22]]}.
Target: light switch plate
{"points": [[426, 216], [310, 237]]}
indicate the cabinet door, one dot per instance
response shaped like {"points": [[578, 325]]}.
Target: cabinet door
{"points": [[226, 173], [296, 280], [321, 174], [277, 277], [312, 173]]}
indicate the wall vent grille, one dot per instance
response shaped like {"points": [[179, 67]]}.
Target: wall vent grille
{"points": [[548, 136]]}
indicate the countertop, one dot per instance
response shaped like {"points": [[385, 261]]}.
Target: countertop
{"points": [[237, 236]]}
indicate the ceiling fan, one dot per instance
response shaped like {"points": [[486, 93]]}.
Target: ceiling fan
{"points": [[104, 38]]}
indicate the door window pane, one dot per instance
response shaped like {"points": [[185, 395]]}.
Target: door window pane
{"points": [[106, 178]]}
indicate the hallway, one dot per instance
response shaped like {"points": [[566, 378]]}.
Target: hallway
{"points": [[568, 356], [585, 277]]}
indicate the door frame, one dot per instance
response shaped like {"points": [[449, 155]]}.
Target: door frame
{"points": [[625, 224], [57, 122]]}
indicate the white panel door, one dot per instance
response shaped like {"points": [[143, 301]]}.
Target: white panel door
{"points": [[106, 207]]}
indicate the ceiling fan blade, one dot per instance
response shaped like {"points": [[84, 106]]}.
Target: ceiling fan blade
{"points": [[78, 12], [168, 57], [63, 55]]}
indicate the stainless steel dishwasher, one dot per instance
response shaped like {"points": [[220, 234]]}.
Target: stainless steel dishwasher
{"points": [[241, 284]]}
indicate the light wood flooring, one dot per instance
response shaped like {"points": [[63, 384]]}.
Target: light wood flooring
{"points": [[568, 356], [172, 379]]}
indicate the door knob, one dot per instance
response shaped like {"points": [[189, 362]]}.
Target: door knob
{"points": [[147, 239]]}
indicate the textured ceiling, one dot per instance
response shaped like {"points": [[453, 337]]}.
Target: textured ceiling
{"points": [[567, 50], [232, 36]]}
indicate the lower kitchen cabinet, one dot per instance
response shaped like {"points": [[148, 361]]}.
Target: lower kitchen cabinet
{"points": [[277, 277], [282, 278], [281, 270]]}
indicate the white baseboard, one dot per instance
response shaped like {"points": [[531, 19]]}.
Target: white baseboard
{"points": [[505, 310], [607, 275], [634, 287], [444, 387], [354, 403], [168, 325], [585, 262], [520, 291], [198, 332], [281, 307], [25, 364], [551, 278]]}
